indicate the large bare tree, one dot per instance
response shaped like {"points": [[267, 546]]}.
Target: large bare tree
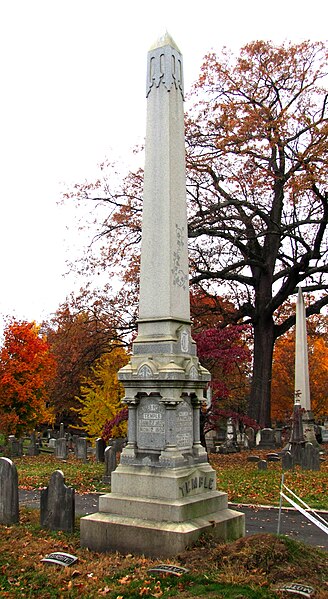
{"points": [[258, 157]]}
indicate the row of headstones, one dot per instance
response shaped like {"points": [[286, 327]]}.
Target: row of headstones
{"points": [[80, 448], [308, 457], [233, 440], [57, 501], [62, 445]]}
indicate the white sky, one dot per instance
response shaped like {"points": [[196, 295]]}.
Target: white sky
{"points": [[73, 92]]}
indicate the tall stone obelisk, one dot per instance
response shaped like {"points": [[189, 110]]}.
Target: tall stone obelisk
{"points": [[302, 379], [163, 493], [302, 384]]}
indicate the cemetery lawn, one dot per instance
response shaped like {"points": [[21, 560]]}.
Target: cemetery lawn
{"points": [[242, 480], [244, 483], [249, 568]]}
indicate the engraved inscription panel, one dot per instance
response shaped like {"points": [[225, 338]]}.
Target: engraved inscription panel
{"points": [[184, 426], [184, 341], [151, 424]]}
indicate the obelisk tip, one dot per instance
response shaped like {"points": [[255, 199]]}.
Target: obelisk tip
{"points": [[165, 40]]}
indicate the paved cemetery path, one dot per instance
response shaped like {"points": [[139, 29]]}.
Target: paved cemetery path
{"points": [[265, 519], [258, 519]]}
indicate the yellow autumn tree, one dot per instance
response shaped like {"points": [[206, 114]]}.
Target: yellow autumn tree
{"points": [[101, 393]]}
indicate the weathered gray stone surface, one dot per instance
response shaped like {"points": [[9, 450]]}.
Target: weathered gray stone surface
{"points": [[302, 382], [81, 449], [15, 447], [33, 448], [57, 504], [267, 439], [310, 457], [9, 507], [287, 461], [110, 463], [278, 436], [61, 449], [250, 433]]}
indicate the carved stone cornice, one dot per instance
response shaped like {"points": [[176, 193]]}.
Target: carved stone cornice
{"points": [[164, 66]]}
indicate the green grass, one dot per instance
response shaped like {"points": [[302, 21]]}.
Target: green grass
{"points": [[34, 473], [244, 483], [241, 480]]}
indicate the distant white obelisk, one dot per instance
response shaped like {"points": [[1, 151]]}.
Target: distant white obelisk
{"points": [[163, 492], [302, 379], [302, 384]]}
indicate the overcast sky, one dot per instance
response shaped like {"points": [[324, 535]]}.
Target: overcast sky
{"points": [[73, 93]]}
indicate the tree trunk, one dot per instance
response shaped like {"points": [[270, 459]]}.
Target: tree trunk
{"points": [[260, 397]]}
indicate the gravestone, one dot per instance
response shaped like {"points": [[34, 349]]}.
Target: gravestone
{"points": [[110, 463], [253, 458], [267, 439], [210, 440], [57, 504], [250, 433], [15, 447], [81, 449], [52, 443], [273, 457], [324, 434], [310, 459], [74, 440], [230, 445], [100, 449], [33, 448], [69, 441], [244, 441], [287, 461], [257, 437], [9, 507], [278, 436], [61, 431], [61, 449], [262, 465]]}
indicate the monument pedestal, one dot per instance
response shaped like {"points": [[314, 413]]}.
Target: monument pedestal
{"points": [[309, 428], [159, 512]]}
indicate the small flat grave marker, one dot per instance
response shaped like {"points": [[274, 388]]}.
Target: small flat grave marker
{"points": [[60, 559], [295, 588], [253, 458], [168, 569], [272, 457]]}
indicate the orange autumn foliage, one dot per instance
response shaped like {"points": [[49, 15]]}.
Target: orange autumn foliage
{"points": [[283, 375], [26, 366]]}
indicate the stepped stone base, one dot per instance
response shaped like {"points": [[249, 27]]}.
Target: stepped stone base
{"points": [[167, 512], [109, 532]]}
